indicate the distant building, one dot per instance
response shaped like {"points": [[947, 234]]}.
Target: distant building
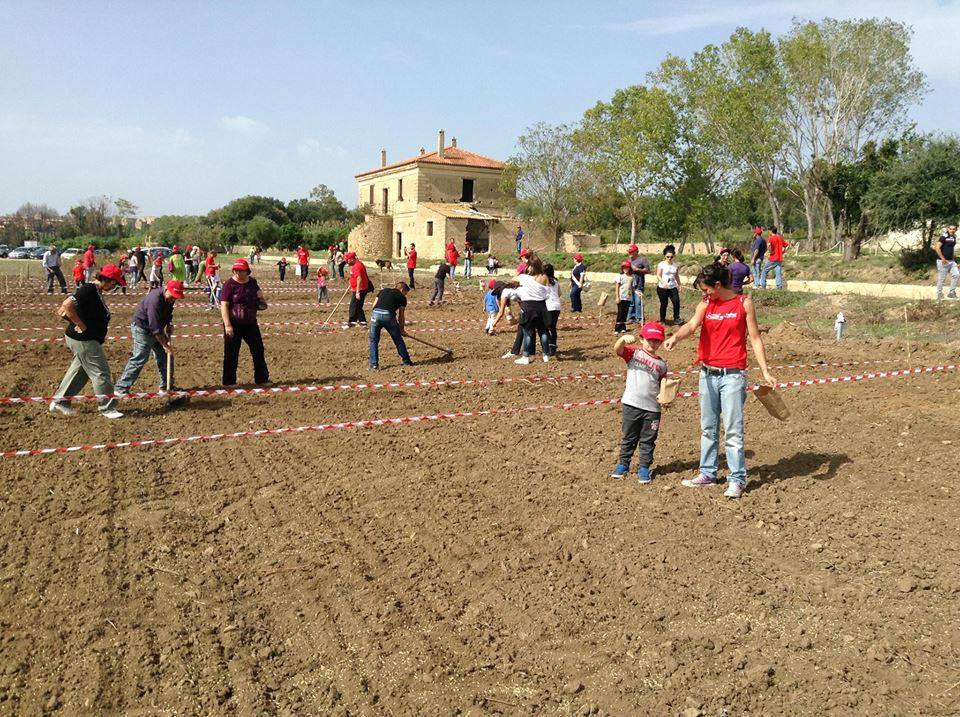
{"points": [[431, 199]]}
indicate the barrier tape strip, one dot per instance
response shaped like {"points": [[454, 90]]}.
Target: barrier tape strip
{"points": [[186, 305], [264, 323], [374, 423], [428, 383]]}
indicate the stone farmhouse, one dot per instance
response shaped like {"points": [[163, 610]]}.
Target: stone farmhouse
{"points": [[433, 198]]}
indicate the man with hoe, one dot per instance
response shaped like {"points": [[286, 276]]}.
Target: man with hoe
{"points": [[151, 329]]}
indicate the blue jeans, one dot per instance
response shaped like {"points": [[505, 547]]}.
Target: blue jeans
{"points": [[576, 304], [144, 343], [722, 399], [756, 266], [467, 268], [635, 310], [380, 320], [777, 267], [453, 270]]}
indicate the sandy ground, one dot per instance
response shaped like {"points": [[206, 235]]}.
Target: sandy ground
{"points": [[483, 565]]}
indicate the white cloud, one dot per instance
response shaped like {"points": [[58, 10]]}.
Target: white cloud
{"points": [[310, 147], [243, 125]]}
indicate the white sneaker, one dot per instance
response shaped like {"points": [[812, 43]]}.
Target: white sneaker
{"points": [[112, 413], [62, 408], [734, 490], [546, 359], [508, 355], [523, 360]]}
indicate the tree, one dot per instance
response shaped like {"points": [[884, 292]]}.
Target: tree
{"points": [[242, 210], [629, 142], [96, 213], [732, 96], [261, 231], [322, 206], [847, 82], [921, 190], [546, 172], [291, 236], [125, 210]]}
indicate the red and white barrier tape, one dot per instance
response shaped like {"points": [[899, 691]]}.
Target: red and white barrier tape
{"points": [[209, 324], [428, 383], [185, 305], [374, 423]]}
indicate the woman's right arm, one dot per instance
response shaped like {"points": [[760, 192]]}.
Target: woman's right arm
{"points": [[225, 315], [68, 309]]}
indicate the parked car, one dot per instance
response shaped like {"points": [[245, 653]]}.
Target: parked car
{"points": [[102, 252], [70, 253], [164, 251], [4, 250], [20, 253], [37, 252]]}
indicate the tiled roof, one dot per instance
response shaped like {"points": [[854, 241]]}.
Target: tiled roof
{"points": [[454, 156]]}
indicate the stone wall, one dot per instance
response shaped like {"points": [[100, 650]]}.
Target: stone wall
{"points": [[372, 239], [580, 241]]}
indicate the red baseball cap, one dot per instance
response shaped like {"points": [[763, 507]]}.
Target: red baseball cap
{"points": [[240, 265], [175, 287], [723, 250], [492, 283], [625, 264], [633, 249], [350, 255], [524, 252], [653, 330], [578, 257], [758, 230], [112, 271], [176, 248]]}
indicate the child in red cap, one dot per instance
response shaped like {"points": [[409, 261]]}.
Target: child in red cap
{"points": [[79, 272], [641, 403], [323, 297], [491, 306]]}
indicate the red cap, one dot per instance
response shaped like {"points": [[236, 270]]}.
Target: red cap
{"points": [[350, 255], [240, 265], [89, 246], [723, 250], [524, 252], [492, 283], [653, 330], [112, 271], [283, 260], [175, 287], [331, 247], [625, 264], [633, 249], [578, 257], [758, 230], [176, 248]]}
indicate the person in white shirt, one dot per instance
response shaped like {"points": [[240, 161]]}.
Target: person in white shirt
{"points": [[51, 262], [553, 308], [668, 284], [133, 268], [534, 289]]}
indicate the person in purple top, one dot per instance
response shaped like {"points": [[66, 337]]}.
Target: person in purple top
{"points": [[740, 274], [151, 329], [641, 267]]}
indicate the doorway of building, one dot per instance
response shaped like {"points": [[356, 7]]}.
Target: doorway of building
{"points": [[467, 194], [478, 233], [399, 251]]}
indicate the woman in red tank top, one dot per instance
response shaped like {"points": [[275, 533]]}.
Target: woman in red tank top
{"points": [[725, 319]]}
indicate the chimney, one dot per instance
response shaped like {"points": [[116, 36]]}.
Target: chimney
{"points": [[383, 158], [440, 144], [453, 141], [422, 151]]}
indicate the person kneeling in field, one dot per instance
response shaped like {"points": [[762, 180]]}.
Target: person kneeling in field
{"points": [[389, 313], [641, 398]]}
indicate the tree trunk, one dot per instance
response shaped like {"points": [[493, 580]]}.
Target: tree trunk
{"points": [[852, 245], [809, 210], [633, 227], [774, 209]]}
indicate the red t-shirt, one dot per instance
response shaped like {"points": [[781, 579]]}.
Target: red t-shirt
{"points": [[210, 266], [88, 259], [358, 277], [78, 271], [303, 256], [723, 334], [775, 246], [412, 259]]}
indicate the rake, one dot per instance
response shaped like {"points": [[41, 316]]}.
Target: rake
{"points": [[325, 326]]}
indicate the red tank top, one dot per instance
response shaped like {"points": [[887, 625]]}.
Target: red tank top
{"points": [[723, 334]]}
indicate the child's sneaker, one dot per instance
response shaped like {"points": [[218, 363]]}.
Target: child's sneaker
{"points": [[620, 471], [62, 408], [734, 490], [546, 359], [508, 355], [111, 413], [643, 473], [523, 360], [700, 480]]}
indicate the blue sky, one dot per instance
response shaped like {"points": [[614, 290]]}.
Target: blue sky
{"points": [[181, 107]]}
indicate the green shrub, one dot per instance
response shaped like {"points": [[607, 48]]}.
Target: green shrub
{"points": [[917, 261]]}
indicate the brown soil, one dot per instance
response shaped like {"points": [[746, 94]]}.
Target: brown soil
{"points": [[481, 565]]}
